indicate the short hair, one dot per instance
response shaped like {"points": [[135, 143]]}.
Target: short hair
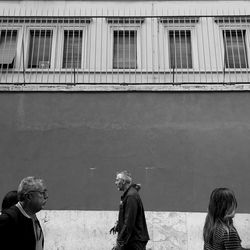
{"points": [[28, 184], [126, 176], [9, 200]]}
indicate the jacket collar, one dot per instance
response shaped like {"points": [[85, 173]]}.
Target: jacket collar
{"points": [[126, 191]]}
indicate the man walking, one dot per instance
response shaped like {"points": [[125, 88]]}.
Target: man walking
{"points": [[131, 226], [19, 226]]}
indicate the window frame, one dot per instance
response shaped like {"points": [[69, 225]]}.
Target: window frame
{"points": [[59, 59], [186, 26], [234, 27], [125, 27], [169, 49], [247, 48], [29, 28], [18, 58]]}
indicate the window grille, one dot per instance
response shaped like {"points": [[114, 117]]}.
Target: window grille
{"points": [[180, 49], [235, 49], [72, 49], [40, 49], [111, 49], [8, 45], [125, 49]]}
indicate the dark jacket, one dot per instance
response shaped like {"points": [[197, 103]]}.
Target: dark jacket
{"points": [[131, 222], [16, 230]]}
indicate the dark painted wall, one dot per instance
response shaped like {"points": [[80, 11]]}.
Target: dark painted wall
{"points": [[179, 146]]}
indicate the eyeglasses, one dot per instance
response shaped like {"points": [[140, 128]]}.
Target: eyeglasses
{"points": [[43, 193]]}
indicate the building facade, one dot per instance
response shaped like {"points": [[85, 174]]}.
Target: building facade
{"points": [[160, 88]]}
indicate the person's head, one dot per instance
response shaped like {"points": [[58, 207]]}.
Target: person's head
{"points": [[10, 199], [222, 204], [221, 209], [32, 192], [123, 180]]}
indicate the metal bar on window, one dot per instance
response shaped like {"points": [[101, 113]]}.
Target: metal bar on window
{"points": [[112, 59], [198, 51], [164, 50], [60, 35], [158, 49], [209, 49], [73, 66], [43, 55], [152, 45], [245, 51], [39, 55], [1, 35], [180, 67], [100, 40], [146, 47], [95, 48], [21, 54], [129, 55], [107, 51], [89, 47], [12, 37], [239, 33], [203, 48], [231, 46], [3, 40], [215, 50], [226, 56], [141, 47], [135, 49], [186, 41]]}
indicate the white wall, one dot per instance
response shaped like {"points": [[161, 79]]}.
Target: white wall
{"points": [[89, 230]]}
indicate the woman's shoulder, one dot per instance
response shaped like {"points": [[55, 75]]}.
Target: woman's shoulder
{"points": [[221, 231], [225, 233]]}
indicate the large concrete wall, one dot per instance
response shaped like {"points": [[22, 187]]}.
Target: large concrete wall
{"points": [[179, 146]]}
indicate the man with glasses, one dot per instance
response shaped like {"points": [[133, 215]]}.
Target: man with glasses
{"points": [[19, 226]]}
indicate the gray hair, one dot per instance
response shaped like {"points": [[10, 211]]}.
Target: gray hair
{"points": [[126, 176], [28, 184]]}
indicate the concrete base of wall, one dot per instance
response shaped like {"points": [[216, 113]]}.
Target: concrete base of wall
{"points": [[89, 230]]}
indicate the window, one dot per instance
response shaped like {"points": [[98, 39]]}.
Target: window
{"points": [[180, 49], [125, 49], [40, 46], [235, 49], [8, 45], [72, 49]]}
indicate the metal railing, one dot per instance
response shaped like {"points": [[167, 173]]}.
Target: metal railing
{"points": [[124, 49]]}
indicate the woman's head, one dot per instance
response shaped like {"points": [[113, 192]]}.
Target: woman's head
{"points": [[221, 209], [9, 200], [222, 204]]}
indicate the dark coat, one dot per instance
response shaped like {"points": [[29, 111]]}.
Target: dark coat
{"points": [[16, 230], [132, 225]]}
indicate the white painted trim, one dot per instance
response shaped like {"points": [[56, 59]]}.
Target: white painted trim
{"points": [[27, 44], [123, 88], [125, 27], [60, 43]]}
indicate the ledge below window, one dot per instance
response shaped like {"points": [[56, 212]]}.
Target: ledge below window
{"points": [[123, 88]]}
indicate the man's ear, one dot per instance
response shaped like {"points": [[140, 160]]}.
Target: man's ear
{"points": [[28, 196]]}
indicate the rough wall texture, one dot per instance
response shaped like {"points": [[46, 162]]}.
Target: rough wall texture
{"points": [[179, 146]]}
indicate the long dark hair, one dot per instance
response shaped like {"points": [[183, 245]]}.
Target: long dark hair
{"points": [[222, 205], [9, 200]]}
